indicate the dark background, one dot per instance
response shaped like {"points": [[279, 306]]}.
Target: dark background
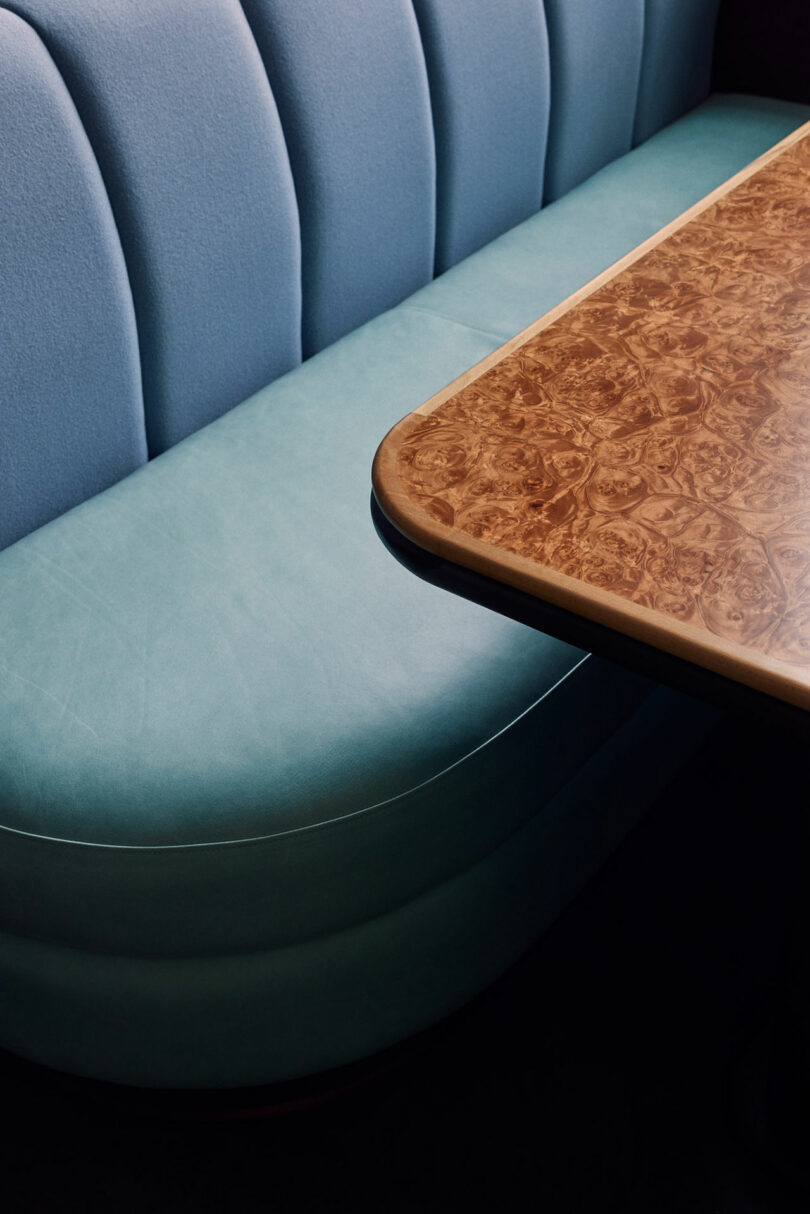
{"points": [[763, 47]]}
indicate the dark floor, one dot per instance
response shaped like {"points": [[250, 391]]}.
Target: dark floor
{"points": [[600, 1075]]}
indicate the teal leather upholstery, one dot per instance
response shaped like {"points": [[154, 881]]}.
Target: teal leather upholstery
{"points": [[180, 107], [221, 1018], [217, 745], [70, 379], [268, 803], [208, 181]]}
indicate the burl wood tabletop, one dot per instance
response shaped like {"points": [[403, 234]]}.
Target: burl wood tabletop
{"points": [[641, 455]]}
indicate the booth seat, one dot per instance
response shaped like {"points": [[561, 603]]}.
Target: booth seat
{"points": [[269, 803]]}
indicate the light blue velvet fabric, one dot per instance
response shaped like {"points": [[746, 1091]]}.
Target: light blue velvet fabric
{"points": [[595, 48], [509, 284], [279, 888], [676, 66], [349, 79], [489, 82], [71, 413], [181, 118]]}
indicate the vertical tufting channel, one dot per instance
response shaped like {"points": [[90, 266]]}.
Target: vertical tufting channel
{"points": [[71, 412], [489, 83], [677, 64], [178, 109], [595, 50], [350, 82]]}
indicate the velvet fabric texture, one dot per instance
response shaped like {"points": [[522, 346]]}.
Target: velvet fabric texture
{"points": [[349, 79], [71, 412], [179, 112], [489, 81], [229, 1017]]}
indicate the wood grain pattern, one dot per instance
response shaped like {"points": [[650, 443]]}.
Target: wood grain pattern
{"points": [[642, 453]]}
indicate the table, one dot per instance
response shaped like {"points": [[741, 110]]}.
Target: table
{"points": [[638, 460], [632, 472]]}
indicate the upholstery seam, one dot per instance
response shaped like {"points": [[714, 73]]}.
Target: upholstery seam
{"points": [[329, 823], [230, 952], [432, 97], [645, 28], [55, 59], [463, 324], [293, 179], [227, 953]]}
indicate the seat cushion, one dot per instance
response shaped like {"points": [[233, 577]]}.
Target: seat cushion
{"points": [[253, 771], [231, 1017], [220, 648]]}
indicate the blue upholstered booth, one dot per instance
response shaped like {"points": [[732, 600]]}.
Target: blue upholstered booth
{"points": [[267, 802]]}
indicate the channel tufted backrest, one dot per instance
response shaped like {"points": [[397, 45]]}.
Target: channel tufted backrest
{"points": [[192, 190], [611, 72], [349, 79], [596, 48], [489, 80], [71, 413], [676, 65], [176, 103]]}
